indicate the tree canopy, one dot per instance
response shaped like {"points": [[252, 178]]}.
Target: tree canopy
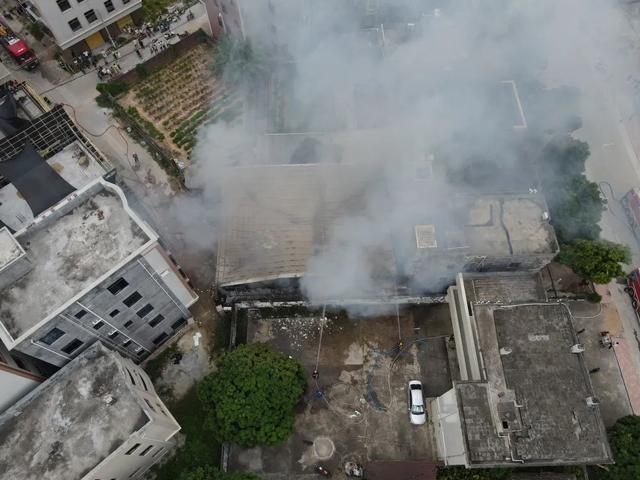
{"points": [[250, 399], [462, 473], [624, 439], [598, 261], [576, 204], [212, 473], [237, 61]]}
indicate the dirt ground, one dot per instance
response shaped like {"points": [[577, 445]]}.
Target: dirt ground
{"points": [[357, 409]]}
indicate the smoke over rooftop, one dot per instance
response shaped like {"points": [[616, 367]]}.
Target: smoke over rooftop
{"points": [[421, 102]]}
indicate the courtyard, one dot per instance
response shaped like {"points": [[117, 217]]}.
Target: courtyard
{"points": [[356, 410]]}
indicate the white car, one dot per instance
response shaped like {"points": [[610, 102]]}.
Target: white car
{"points": [[417, 413]]}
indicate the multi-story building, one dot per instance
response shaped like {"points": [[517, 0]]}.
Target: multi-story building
{"points": [[523, 397], [80, 25], [86, 269], [99, 418], [76, 263], [18, 376]]}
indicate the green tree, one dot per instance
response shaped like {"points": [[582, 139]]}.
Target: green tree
{"points": [[598, 261], [212, 473], [462, 473], [576, 207], [237, 61], [563, 157], [624, 439], [250, 399]]}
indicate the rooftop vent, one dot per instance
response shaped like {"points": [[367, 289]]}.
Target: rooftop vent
{"points": [[577, 348], [505, 350], [426, 236]]}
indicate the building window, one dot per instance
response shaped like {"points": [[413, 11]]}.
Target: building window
{"points": [[74, 24], [53, 335], [117, 286], [144, 311], [126, 343], [98, 325], [80, 314], [132, 299], [178, 323], [156, 320], [113, 334], [130, 376], [114, 313], [132, 449], [128, 323], [90, 15], [146, 450], [160, 338], [125, 1], [109, 6], [72, 346], [64, 5]]}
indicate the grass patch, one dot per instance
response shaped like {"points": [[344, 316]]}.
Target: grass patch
{"points": [[200, 447]]}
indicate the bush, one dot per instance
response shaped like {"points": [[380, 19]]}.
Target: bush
{"points": [[212, 473], [250, 399], [112, 88], [593, 297], [462, 473], [36, 30]]}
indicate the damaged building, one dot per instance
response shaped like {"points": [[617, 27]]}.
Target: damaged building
{"points": [[524, 397], [97, 418], [278, 217]]}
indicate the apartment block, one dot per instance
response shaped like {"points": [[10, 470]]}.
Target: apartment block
{"points": [[80, 25], [77, 264], [98, 418]]}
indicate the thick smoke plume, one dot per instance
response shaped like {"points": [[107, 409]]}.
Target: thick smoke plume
{"points": [[396, 87]]}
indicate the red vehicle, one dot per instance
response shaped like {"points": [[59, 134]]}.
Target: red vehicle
{"points": [[633, 288], [17, 49]]}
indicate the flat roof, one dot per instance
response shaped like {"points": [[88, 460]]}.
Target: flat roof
{"points": [[275, 217], [505, 288], [9, 248], [533, 405], [73, 163], [71, 422], [68, 255]]}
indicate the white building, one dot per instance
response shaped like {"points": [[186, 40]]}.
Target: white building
{"points": [[99, 418], [80, 25]]}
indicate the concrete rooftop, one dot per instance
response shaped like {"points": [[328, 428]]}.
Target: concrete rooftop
{"points": [[70, 423], [68, 256], [275, 217], [533, 407], [73, 163], [9, 248]]}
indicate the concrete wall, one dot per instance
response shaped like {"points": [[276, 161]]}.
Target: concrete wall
{"points": [[154, 438], [130, 331], [58, 21], [445, 416]]}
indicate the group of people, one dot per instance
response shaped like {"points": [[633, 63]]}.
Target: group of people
{"points": [[85, 61]]}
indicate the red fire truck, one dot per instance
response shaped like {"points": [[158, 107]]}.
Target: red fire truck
{"points": [[633, 288], [17, 48]]}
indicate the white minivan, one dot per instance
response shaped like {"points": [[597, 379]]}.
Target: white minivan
{"points": [[417, 413]]}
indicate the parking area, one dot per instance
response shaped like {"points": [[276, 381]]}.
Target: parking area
{"points": [[356, 410]]}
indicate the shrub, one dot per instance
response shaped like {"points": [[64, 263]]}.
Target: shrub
{"points": [[112, 88]]}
